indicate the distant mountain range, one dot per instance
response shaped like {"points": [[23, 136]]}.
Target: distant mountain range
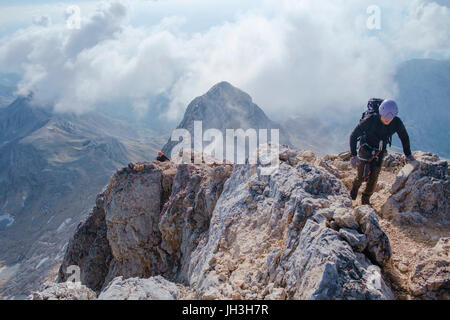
{"points": [[51, 166], [424, 99], [8, 84]]}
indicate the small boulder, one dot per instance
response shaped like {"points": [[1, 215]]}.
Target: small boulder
{"points": [[355, 239], [403, 175], [345, 218], [378, 245]]}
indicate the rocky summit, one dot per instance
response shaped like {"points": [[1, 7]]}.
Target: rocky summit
{"points": [[209, 231]]}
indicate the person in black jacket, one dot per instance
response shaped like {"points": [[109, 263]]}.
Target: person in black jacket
{"points": [[375, 131], [161, 157]]}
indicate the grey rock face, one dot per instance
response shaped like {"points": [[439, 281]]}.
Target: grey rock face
{"points": [[89, 249], [146, 222], [430, 278], [271, 233], [403, 176], [354, 238], [378, 245], [393, 160], [330, 269], [154, 288], [111, 242], [420, 193], [132, 206], [185, 218]]}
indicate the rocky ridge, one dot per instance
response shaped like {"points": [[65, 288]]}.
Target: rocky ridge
{"points": [[161, 230]]}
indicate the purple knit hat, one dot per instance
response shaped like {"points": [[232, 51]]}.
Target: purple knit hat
{"points": [[388, 109]]}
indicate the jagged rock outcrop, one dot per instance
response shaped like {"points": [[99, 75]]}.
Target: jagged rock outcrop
{"points": [[186, 216], [133, 203], [89, 249], [131, 233], [430, 278], [273, 234], [226, 231], [420, 193], [412, 199], [121, 234]]}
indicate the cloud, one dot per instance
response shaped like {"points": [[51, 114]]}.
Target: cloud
{"points": [[427, 28], [43, 21], [102, 26], [290, 56]]}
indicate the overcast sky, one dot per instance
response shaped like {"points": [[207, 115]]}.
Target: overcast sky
{"points": [[291, 56]]}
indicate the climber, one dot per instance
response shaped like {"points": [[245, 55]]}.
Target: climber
{"points": [[375, 131], [161, 157]]}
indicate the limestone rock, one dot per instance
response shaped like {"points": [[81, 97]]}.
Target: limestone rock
{"points": [[378, 244], [63, 291], [89, 249], [403, 175], [307, 156], [344, 156], [154, 288], [421, 188], [288, 155], [226, 232], [331, 271], [354, 238], [186, 216], [430, 277], [293, 208], [393, 160], [344, 217], [133, 202]]}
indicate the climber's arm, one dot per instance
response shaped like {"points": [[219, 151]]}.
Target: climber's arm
{"points": [[404, 137]]}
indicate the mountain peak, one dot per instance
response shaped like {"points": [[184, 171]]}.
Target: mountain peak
{"points": [[225, 107], [225, 90], [222, 85]]}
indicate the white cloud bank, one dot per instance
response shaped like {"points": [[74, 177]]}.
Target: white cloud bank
{"points": [[290, 56]]}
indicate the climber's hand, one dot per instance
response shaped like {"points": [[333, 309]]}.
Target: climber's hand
{"points": [[354, 161]]}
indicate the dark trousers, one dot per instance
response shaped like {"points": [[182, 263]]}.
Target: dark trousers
{"points": [[375, 168]]}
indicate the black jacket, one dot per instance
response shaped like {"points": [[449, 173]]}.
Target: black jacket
{"points": [[375, 131]]}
